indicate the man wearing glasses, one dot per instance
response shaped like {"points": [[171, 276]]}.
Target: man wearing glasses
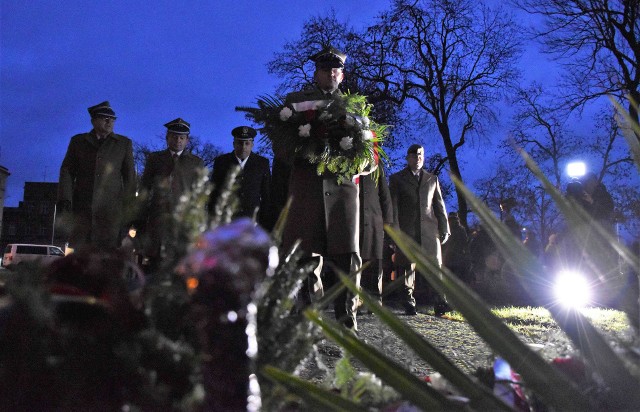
{"points": [[97, 183]]}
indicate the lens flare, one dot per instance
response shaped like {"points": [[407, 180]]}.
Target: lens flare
{"points": [[572, 290]]}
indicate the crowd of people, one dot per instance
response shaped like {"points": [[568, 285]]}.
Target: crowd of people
{"points": [[339, 224]]}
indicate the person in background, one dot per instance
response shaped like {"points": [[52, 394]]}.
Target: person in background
{"points": [[254, 179], [97, 186], [506, 207], [455, 253], [420, 212], [375, 212], [168, 174]]}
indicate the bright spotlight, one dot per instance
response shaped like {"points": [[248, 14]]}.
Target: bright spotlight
{"points": [[576, 169], [572, 290]]}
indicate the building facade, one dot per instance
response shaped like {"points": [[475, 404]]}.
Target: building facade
{"points": [[33, 221]]}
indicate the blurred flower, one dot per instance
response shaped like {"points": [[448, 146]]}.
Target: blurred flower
{"points": [[285, 114], [304, 130], [346, 143]]}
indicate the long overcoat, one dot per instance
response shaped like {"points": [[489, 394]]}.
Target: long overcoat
{"points": [[419, 211], [254, 184], [376, 210], [324, 215], [163, 181], [98, 180]]}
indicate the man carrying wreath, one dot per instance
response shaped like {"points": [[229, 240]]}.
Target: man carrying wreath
{"points": [[324, 213]]}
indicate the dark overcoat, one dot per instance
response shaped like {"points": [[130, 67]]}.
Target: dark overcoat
{"points": [[376, 210], [163, 182], [98, 180], [419, 210], [324, 215], [254, 185]]}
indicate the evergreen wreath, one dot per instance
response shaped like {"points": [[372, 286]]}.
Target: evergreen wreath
{"points": [[336, 135]]}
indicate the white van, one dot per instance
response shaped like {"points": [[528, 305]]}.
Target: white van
{"points": [[16, 253]]}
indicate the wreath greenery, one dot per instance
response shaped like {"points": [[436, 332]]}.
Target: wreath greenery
{"points": [[336, 135]]}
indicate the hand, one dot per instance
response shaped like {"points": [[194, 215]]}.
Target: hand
{"points": [[443, 238]]}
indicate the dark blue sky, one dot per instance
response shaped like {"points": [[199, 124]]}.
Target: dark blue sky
{"points": [[154, 61]]}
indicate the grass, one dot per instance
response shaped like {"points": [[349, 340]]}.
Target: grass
{"points": [[533, 321]]}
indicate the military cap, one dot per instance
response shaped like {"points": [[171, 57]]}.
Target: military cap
{"points": [[244, 133], [329, 58], [178, 126], [101, 110], [414, 148]]}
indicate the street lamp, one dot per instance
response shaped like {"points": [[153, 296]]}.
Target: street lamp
{"points": [[576, 169]]}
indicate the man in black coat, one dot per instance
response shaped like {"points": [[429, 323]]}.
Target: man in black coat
{"points": [[253, 180], [375, 212], [168, 174], [419, 211], [97, 183]]}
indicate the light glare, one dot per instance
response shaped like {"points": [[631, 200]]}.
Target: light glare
{"points": [[572, 290], [576, 169]]}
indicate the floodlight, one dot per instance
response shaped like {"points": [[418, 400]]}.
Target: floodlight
{"points": [[572, 290], [576, 169]]}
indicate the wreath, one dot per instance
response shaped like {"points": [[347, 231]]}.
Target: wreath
{"points": [[336, 135]]}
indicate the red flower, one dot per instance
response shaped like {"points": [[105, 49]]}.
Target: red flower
{"points": [[572, 367]]}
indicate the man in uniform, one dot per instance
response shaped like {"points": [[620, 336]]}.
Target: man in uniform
{"points": [[324, 215], [254, 179], [419, 211], [375, 212], [97, 183], [168, 174]]}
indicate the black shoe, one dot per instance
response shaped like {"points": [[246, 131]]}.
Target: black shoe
{"points": [[410, 311], [441, 309]]}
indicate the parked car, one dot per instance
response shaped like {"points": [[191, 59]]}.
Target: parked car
{"points": [[16, 253]]}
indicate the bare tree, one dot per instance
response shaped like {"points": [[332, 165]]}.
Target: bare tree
{"points": [[598, 42], [292, 64], [451, 59], [549, 136], [541, 131], [295, 69]]}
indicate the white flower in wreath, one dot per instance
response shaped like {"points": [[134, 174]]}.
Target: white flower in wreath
{"points": [[285, 114], [367, 135], [350, 121], [346, 143], [365, 122], [324, 116], [304, 130]]}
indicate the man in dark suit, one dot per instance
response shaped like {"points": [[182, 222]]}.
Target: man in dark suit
{"points": [[168, 174], [253, 181], [324, 215], [97, 183], [375, 211], [419, 211]]}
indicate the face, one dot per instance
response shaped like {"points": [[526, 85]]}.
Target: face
{"points": [[242, 148], [103, 125], [177, 142], [328, 79], [415, 161]]}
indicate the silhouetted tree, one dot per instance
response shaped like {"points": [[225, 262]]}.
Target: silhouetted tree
{"points": [[598, 43], [451, 60]]}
